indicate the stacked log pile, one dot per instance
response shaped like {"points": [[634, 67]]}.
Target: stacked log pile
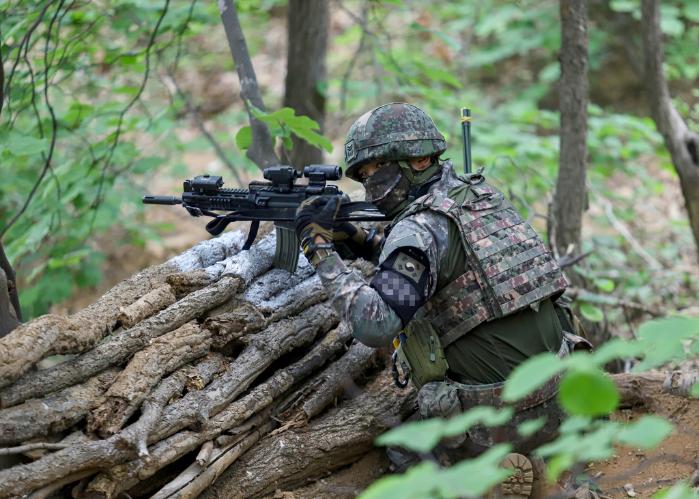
{"points": [[212, 368]]}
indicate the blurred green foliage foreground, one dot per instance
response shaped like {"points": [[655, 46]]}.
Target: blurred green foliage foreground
{"points": [[91, 117], [586, 394]]}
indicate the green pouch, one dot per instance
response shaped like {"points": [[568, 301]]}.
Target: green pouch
{"points": [[422, 351]]}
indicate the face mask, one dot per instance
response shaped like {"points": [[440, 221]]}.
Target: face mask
{"points": [[419, 177], [388, 188]]}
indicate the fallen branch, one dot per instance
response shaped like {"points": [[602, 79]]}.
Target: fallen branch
{"points": [[149, 304], [21, 449], [116, 349], [162, 356], [53, 334], [55, 413], [326, 444]]}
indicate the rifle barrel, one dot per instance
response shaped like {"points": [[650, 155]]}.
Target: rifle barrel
{"points": [[168, 200]]}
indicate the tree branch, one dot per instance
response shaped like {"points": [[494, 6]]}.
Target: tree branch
{"points": [[261, 151], [681, 142]]}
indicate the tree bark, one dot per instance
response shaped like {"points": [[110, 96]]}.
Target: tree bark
{"points": [[570, 196], [326, 444], [10, 311], [55, 413], [162, 356], [681, 142], [53, 334], [307, 35], [117, 349], [261, 151]]}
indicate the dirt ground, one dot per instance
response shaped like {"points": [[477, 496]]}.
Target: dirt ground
{"points": [[648, 471]]}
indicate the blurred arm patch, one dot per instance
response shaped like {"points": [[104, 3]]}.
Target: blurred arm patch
{"points": [[402, 281]]}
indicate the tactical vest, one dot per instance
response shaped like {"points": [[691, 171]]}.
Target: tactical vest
{"points": [[508, 267]]}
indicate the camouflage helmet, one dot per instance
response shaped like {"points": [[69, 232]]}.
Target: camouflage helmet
{"points": [[393, 131]]}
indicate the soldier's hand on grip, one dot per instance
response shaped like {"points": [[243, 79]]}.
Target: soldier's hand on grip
{"points": [[315, 220]]}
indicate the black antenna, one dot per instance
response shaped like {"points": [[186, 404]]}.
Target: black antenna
{"points": [[466, 135]]}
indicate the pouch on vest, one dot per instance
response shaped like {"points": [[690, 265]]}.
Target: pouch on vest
{"points": [[423, 353]]}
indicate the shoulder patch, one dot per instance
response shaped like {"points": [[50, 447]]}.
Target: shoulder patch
{"points": [[409, 267]]}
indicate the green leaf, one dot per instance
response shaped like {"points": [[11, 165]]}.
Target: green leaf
{"points": [[24, 145], [681, 490], [606, 285], [423, 436], [530, 375], [531, 426], [243, 139], [416, 483], [420, 436], [662, 340], [478, 415], [691, 11], [645, 433], [474, 477], [145, 165], [591, 312], [616, 348], [588, 393], [694, 391]]}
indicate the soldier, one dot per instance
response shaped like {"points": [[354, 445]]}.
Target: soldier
{"points": [[464, 283]]}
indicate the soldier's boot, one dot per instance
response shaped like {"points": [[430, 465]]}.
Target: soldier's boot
{"points": [[525, 481]]}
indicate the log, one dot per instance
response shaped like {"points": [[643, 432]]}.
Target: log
{"points": [[116, 349], [330, 442], [167, 450], [164, 354], [340, 376], [265, 347], [150, 303], [229, 326], [220, 463], [639, 388], [55, 413], [97, 454], [53, 334], [184, 283]]}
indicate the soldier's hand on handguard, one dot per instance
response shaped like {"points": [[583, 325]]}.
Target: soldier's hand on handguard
{"points": [[315, 220], [358, 241]]}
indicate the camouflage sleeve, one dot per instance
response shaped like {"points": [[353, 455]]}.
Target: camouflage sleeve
{"points": [[426, 232], [372, 320]]}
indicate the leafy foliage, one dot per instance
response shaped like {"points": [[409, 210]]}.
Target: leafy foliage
{"points": [[585, 393], [76, 97], [282, 124]]}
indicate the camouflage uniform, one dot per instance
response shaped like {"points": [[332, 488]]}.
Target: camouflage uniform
{"points": [[463, 281]]}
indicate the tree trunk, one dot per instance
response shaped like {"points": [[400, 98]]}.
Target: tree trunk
{"points": [[570, 197], [10, 311], [308, 22], [681, 142]]}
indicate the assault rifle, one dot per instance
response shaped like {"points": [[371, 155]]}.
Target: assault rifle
{"points": [[276, 201]]}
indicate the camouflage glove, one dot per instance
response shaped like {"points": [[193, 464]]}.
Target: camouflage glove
{"points": [[358, 241], [315, 219]]}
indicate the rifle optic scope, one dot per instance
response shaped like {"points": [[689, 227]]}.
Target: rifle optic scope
{"points": [[323, 172]]}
